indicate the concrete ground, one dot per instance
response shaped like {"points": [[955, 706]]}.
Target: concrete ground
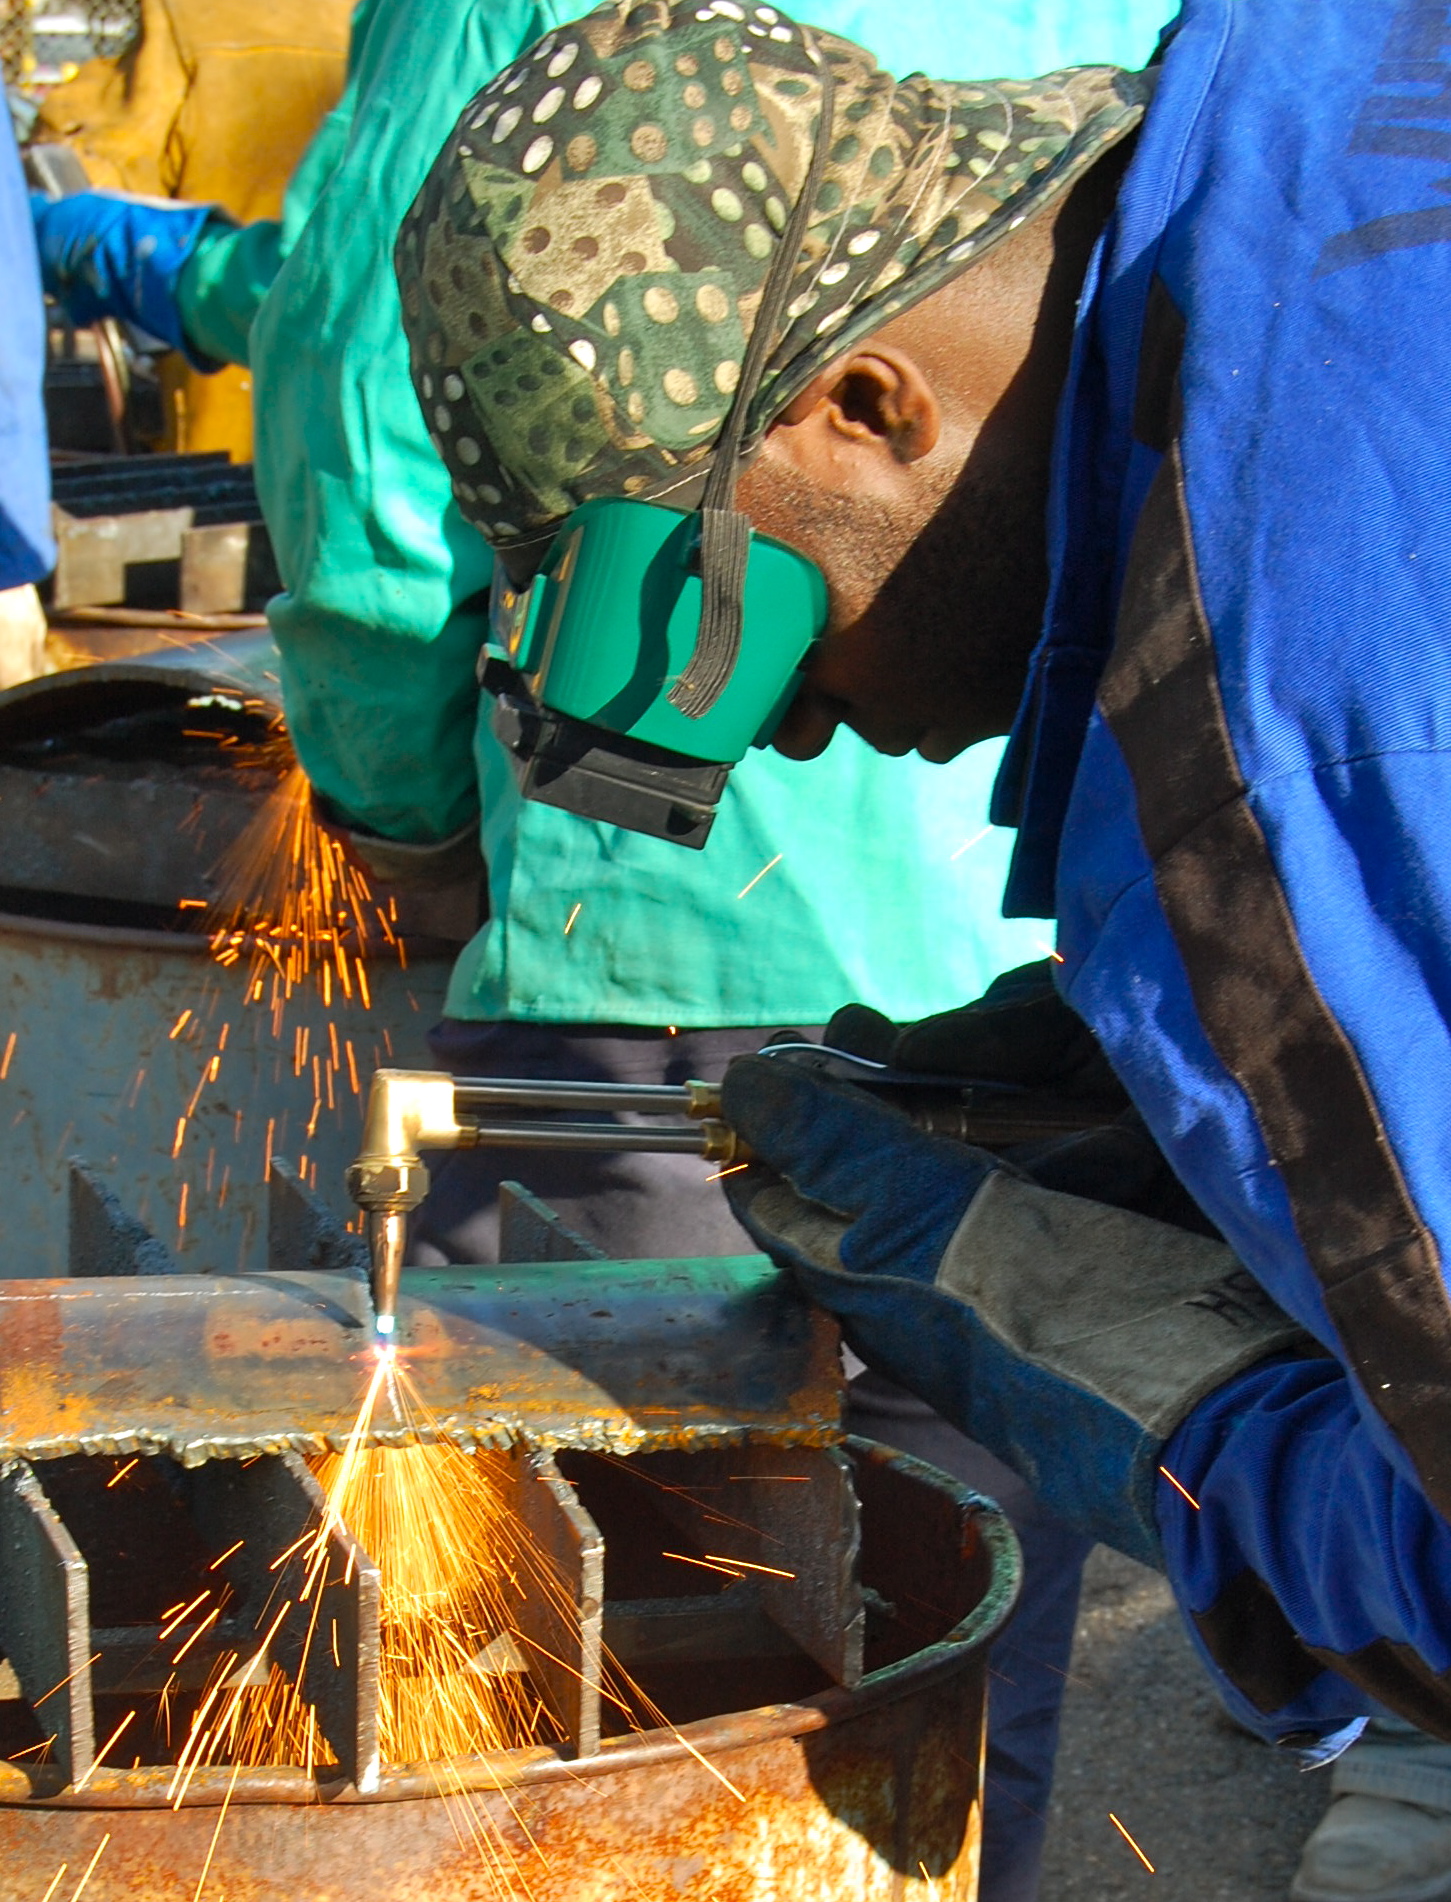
{"points": [[1221, 1818]]}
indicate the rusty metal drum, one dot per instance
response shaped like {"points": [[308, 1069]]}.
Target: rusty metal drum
{"points": [[773, 1792]]}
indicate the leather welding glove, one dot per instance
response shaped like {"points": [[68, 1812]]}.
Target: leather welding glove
{"points": [[417, 868], [1021, 1032], [1068, 1337], [104, 254]]}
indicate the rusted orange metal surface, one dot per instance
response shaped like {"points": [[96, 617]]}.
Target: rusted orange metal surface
{"points": [[616, 1355], [821, 1803]]}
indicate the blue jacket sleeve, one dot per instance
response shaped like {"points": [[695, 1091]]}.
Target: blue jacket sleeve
{"points": [[26, 549], [1310, 1572], [104, 254]]}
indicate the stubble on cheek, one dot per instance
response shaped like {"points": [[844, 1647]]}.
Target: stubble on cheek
{"points": [[879, 664]]}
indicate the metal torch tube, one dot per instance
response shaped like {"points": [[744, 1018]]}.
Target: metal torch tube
{"points": [[644, 1138], [503, 1092]]}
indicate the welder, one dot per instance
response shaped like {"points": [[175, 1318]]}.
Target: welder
{"points": [[1108, 409], [27, 551], [607, 954]]}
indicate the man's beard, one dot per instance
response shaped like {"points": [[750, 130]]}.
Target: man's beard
{"points": [[956, 603]]}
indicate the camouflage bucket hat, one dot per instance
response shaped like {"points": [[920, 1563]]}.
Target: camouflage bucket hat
{"points": [[582, 269]]}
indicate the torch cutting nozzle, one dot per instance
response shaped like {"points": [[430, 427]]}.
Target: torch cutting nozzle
{"points": [[386, 1237]]}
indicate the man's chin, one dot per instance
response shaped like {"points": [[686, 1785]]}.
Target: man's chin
{"points": [[934, 744], [812, 720], [939, 748], [807, 727], [895, 741]]}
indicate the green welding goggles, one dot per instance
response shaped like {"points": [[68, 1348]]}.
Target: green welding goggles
{"points": [[653, 645], [610, 695]]}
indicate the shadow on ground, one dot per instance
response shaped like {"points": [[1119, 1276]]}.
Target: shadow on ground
{"points": [[1221, 1817]]}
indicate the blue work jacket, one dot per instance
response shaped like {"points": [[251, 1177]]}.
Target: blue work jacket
{"points": [[1231, 775], [26, 549]]}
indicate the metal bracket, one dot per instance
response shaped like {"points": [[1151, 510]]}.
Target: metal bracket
{"points": [[104, 1239], [789, 1517], [561, 1602], [529, 1230], [302, 1232], [326, 1642], [45, 1619]]}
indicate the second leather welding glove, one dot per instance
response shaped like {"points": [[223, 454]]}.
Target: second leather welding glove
{"points": [[104, 254], [1068, 1337], [1021, 1032]]}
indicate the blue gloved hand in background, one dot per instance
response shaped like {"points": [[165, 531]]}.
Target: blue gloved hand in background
{"points": [[1068, 1337], [103, 254]]}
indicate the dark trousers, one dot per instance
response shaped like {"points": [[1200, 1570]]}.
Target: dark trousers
{"points": [[639, 1207]]}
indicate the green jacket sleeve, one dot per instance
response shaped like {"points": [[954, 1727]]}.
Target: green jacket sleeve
{"points": [[383, 609], [223, 283]]}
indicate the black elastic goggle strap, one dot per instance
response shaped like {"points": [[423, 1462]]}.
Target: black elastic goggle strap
{"points": [[725, 534]]}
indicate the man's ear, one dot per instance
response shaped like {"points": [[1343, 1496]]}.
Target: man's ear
{"points": [[877, 400]]}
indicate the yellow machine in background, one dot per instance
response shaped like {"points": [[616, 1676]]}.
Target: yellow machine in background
{"points": [[215, 101]]}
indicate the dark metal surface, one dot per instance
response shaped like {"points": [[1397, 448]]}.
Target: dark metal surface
{"points": [[324, 1633], [810, 1530], [152, 531], [303, 1234], [45, 1620], [558, 1616], [99, 1005], [104, 1238], [129, 791], [120, 796], [529, 1230], [619, 1355], [787, 1517], [243, 663]]}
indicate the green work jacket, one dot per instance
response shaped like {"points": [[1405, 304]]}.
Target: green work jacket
{"points": [[854, 876]]}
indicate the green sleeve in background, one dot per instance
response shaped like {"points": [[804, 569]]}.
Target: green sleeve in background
{"points": [[223, 283], [382, 616]]}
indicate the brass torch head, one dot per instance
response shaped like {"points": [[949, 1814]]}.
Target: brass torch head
{"points": [[408, 1110]]}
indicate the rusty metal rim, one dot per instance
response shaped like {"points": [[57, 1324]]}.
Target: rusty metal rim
{"points": [[131, 938], [125, 937], [505, 1770]]}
